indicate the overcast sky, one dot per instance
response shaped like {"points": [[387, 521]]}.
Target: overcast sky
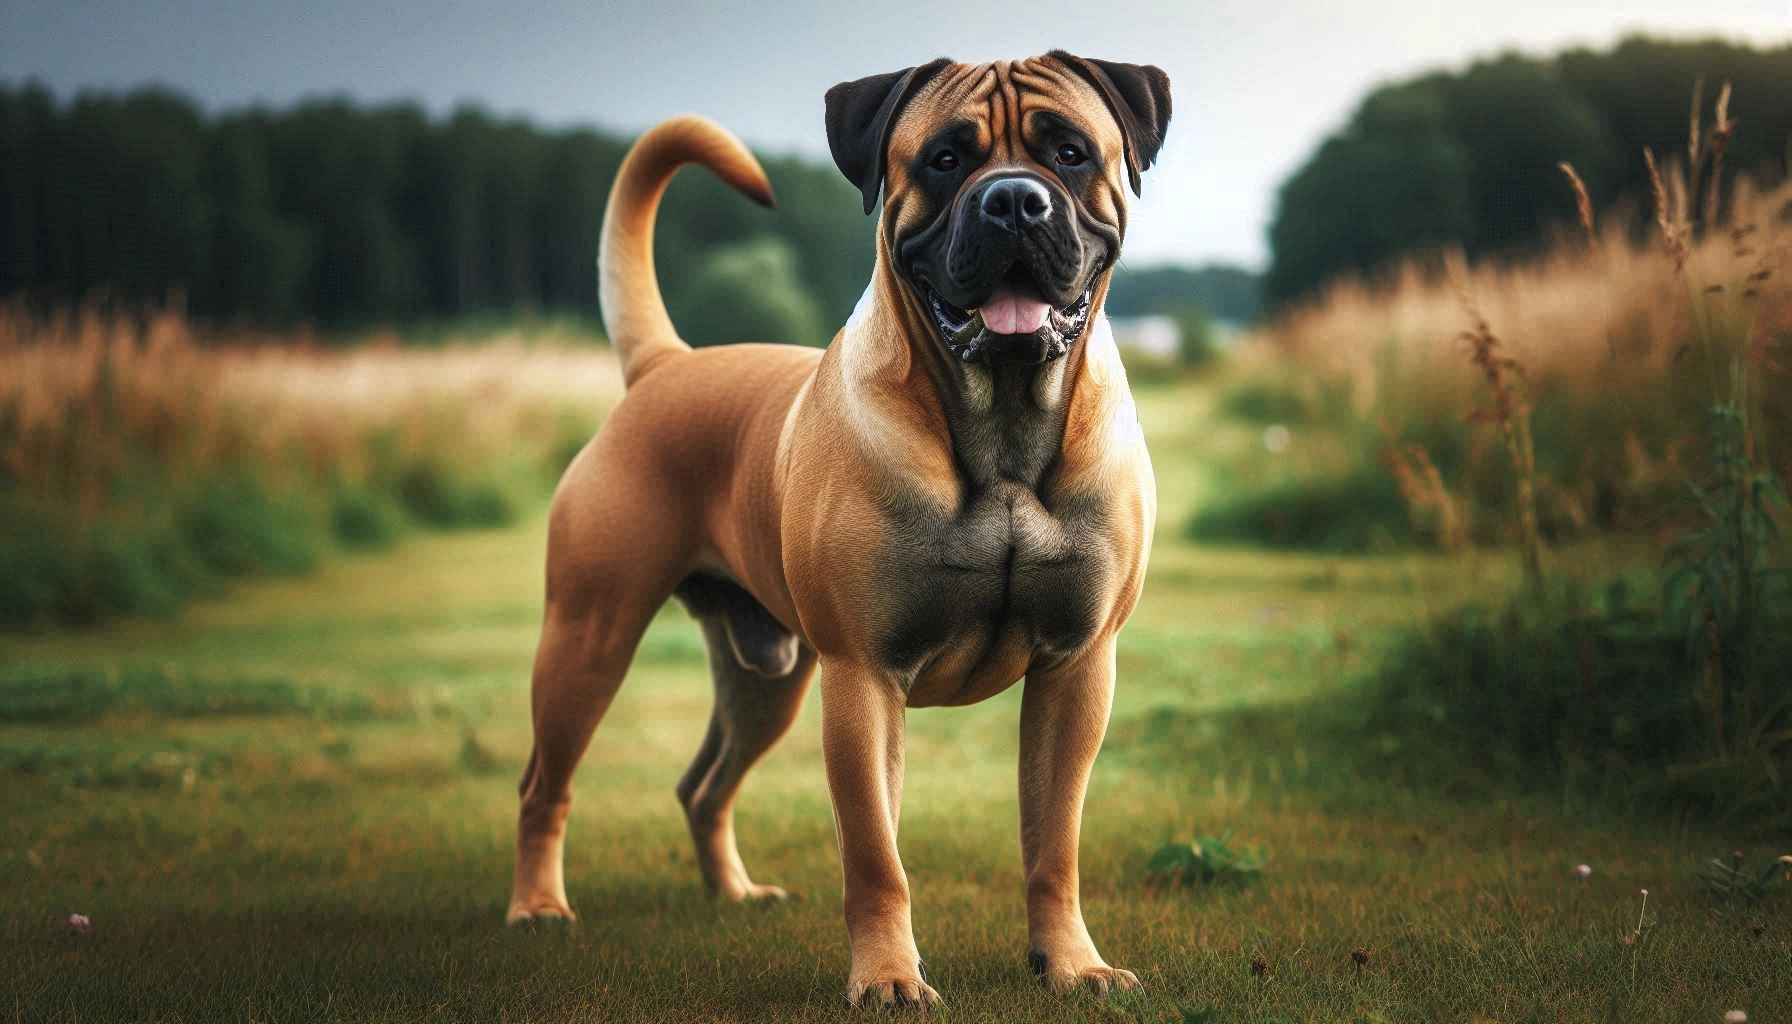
{"points": [[1256, 84]]}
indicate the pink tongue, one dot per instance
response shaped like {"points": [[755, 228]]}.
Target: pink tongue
{"points": [[1009, 311]]}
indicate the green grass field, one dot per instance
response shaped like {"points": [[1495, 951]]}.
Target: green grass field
{"points": [[295, 803]]}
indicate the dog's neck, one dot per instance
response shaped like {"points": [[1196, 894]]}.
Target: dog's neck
{"points": [[1006, 422]]}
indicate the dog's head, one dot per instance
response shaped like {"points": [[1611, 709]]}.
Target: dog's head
{"points": [[1004, 188]]}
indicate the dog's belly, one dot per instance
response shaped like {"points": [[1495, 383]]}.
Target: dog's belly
{"points": [[971, 600]]}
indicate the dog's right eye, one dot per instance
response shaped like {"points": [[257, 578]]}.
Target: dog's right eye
{"points": [[946, 160]]}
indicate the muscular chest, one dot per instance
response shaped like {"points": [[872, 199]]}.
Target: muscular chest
{"points": [[971, 596]]}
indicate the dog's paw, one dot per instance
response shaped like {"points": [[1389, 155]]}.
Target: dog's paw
{"points": [[756, 894], [539, 917], [765, 895], [1065, 975], [889, 989]]}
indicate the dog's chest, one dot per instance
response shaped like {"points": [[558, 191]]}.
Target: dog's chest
{"points": [[979, 593]]}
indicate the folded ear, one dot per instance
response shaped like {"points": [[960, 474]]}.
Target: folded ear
{"points": [[1139, 97], [859, 116]]}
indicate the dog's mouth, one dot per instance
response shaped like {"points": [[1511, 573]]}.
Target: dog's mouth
{"points": [[1013, 325]]}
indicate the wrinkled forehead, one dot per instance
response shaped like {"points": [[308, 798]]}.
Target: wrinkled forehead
{"points": [[1000, 99]]}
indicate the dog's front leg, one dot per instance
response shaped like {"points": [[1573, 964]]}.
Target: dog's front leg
{"points": [[861, 740], [1063, 717]]}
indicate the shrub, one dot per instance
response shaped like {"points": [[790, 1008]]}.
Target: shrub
{"points": [[1597, 692], [434, 495], [1361, 511], [1206, 861], [361, 518], [234, 528], [748, 291]]}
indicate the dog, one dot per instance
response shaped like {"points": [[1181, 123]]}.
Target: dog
{"points": [[952, 496]]}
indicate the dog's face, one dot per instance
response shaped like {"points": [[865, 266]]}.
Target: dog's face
{"points": [[1004, 188]]}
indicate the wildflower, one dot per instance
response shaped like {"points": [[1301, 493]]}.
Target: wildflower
{"points": [[1277, 438], [1361, 957], [1583, 871], [1786, 862], [77, 924], [1735, 1017], [1259, 967]]}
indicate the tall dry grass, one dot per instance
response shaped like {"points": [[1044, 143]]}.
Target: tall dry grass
{"points": [[1604, 337], [142, 458], [1628, 383]]}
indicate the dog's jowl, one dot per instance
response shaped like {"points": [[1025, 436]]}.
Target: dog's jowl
{"points": [[954, 496]]}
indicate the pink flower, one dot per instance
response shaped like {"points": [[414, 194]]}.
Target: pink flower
{"points": [[77, 924], [1582, 870], [1735, 1017]]}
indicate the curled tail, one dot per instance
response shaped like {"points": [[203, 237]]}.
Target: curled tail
{"points": [[634, 313]]}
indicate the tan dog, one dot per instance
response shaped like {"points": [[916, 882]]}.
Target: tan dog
{"points": [[952, 496]]}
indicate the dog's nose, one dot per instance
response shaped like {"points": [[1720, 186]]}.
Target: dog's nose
{"points": [[1015, 203]]}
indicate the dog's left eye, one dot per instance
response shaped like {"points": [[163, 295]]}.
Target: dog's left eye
{"points": [[1070, 156], [945, 161]]}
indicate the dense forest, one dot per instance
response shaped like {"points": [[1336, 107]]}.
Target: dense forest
{"points": [[347, 215], [1470, 157], [344, 215]]}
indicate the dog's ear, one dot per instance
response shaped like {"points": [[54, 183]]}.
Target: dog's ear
{"points": [[1139, 97], [859, 116]]}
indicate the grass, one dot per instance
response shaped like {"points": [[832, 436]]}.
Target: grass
{"points": [[1679, 698], [146, 459], [1613, 333], [1625, 393], [301, 805]]}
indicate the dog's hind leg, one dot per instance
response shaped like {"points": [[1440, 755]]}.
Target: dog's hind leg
{"points": [[761, 672], [608, 573]]}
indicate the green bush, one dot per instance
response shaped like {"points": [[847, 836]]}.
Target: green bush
{"points": [[1198, 343], [436, 496], [361, 519], [1605, 695], [235, 527], [34, 569], [125, 570], [1360, 511], [1206, 861], [155, 549], [748, 291]]}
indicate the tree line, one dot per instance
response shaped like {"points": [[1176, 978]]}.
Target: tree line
{"points": [[1470, 157], [345, 215]]}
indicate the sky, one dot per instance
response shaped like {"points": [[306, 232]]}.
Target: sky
{"points": [[1256, 85]]}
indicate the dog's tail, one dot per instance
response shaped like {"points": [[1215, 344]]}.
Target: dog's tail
{"points": [[634, 313]]}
